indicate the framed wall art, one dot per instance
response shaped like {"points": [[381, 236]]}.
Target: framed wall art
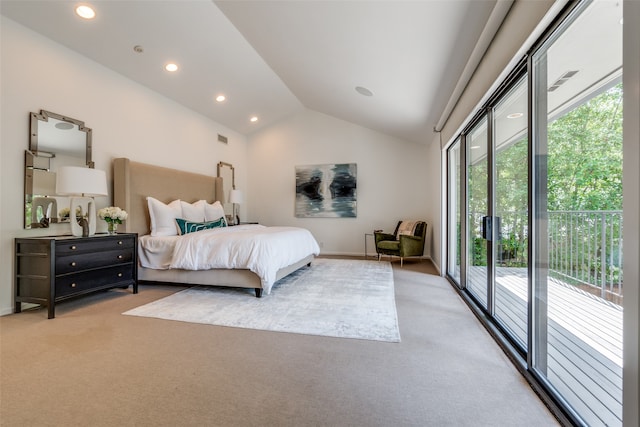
{"points": [[326, 191]]}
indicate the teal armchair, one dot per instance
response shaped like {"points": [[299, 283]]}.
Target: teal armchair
{"points": [[407, 240]]}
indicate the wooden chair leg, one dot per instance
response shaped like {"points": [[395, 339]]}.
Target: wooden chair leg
{"points": [[401, 260]]}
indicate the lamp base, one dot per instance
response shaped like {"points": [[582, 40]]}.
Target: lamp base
{"points": [[236, 214], [87, 226]]}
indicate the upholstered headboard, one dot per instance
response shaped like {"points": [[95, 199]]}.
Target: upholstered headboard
{"points": [[133, 182]]}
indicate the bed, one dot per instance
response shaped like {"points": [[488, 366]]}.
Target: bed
{"points": [[133, 182]]}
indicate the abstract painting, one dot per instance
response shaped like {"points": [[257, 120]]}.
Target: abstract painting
{"points": [[326, 191]]}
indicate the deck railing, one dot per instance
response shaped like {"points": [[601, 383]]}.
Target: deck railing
{"points": [[585, 248]]}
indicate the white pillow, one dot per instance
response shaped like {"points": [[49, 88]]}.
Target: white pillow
{"points": [[163, 217], [193, 212], [213, 211]]}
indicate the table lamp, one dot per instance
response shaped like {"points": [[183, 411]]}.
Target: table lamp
{"points": [[82, 184], [235, 197]]}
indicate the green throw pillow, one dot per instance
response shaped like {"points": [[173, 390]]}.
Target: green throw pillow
{"points": [[186, 227]]}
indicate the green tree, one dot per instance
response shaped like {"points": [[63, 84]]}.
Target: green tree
{"points": [[585, 156]]}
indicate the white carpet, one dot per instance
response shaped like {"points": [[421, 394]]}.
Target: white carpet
{"points": [[334, 297]]}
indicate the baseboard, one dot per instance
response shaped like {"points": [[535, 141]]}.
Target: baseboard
{"points": [[437, 267], [5, 311], [372, 256]]}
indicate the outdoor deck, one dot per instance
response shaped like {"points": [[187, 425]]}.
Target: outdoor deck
{"points": [[584, 340]]}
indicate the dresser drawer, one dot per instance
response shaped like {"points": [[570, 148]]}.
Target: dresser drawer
{"points": [[78, 283], [71, 246], [83, 261]]}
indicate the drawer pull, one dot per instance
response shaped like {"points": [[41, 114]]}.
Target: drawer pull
{"points": [[119, 242], [73, 264], [119, 274], [73, 247], [120, 257], [73, 285]]}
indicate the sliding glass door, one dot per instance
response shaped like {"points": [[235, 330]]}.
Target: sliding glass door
{"points": [[536, 231], [497, 217], [455, 210], [478, 248], [577, 280], [511, 191]]}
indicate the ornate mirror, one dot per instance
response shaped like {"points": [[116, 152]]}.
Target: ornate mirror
{"points": [[227, 173], [54, 141]]}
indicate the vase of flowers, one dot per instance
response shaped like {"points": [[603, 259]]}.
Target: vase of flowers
{"points": [[113, 215]]}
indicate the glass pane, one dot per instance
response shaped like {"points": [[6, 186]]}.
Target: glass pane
{"points": [[477, 186], [511, 209], [454, 213], [578, 209]]}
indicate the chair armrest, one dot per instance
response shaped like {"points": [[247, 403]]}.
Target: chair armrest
{"points": [[407, 237], [379, 237], [411, 245]]}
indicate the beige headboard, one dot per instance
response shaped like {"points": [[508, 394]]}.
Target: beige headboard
{"points": [[133, 182]]}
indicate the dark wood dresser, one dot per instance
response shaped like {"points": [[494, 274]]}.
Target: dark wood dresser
{"points": [[52, 269]]}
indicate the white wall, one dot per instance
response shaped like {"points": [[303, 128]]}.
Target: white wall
{"points": [[393, 178], [128, 120]]}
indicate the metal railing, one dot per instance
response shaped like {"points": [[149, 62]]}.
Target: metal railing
{"points": [[585, 248]]}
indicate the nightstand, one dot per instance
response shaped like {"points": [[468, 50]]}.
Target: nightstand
{"points": [[51, 269]]}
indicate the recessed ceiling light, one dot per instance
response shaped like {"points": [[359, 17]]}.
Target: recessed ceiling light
{"points": [[253, 119], [363, 91], [515, 115], [171, 67], [220, 98], [85, 12]]}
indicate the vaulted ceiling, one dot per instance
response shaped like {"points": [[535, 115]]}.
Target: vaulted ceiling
{"points": [[271, 59]]}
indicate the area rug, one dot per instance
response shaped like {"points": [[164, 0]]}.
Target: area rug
{"points": [[333, 297]]}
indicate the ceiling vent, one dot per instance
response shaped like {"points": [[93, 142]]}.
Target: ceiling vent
{"points": [[562, 80], [223, 139]]}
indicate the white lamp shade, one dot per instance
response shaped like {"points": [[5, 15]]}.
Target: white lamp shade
{"points": [[235, 196], [79, 181]]}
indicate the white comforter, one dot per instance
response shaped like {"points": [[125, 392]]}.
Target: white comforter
{"points": [[263, 250]]}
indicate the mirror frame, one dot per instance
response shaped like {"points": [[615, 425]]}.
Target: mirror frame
{"points": [[44, 117], [228, 207], [34, 157]]}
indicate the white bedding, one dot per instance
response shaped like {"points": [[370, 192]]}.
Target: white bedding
{"points": [[262, 250]]}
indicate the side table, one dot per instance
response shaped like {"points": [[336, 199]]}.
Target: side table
{"points": [[366, 252]]}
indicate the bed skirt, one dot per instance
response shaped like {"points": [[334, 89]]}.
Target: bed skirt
{"points": [[217, 277]]}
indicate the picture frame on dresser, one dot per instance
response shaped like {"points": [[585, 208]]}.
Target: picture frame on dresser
{"points": [[49, 270]]}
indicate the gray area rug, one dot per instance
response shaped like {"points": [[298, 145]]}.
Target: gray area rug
{"points": [[334, 297]]}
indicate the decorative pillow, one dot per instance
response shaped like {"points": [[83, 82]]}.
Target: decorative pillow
{"points": [[408, 228], [214, 211], [163, 217], [186, 227], [193, 211]]}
